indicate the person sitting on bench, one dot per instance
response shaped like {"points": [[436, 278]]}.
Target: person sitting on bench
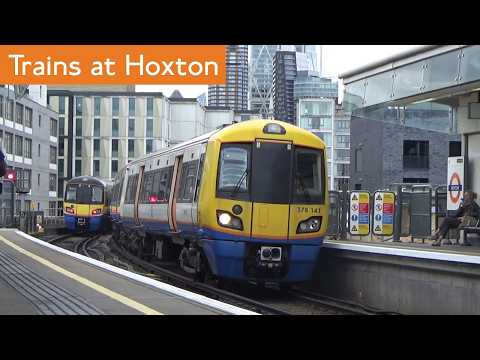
{"points": [[469, 208]]}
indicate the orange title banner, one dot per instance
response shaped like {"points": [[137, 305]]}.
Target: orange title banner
{"points": [[112, 64]]}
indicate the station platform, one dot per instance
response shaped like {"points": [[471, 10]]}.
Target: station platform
{"points": [[455, 253], [40, 278]]}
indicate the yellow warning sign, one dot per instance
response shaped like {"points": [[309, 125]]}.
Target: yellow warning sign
{"points": [[363, 197], [354, 228], [378, 228], [354, 197]]}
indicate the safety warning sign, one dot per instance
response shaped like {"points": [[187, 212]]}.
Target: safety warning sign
{"points": [[359, 213], [384, 211]]}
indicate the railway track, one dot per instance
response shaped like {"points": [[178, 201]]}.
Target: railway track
{"points": [[190, 284]]}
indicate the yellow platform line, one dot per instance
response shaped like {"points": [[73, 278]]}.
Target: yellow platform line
{"points": [[99, 288]]}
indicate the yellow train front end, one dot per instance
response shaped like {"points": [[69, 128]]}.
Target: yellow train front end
{"points": [[85, 206], [263, 204]]}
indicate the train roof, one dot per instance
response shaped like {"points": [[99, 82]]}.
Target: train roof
{"points": [[250, 129], [88, 180]]}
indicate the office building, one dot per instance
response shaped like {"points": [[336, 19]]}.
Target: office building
{"points": [[284, 74], [234, 94], [29, 134]]}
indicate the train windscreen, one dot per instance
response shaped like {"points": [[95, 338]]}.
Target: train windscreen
{"points": [[84, 194]]}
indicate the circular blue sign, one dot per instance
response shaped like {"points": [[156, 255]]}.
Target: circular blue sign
{"points": [[378, 217], [354, 217]]}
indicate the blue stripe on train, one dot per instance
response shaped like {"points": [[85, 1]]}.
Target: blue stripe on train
{"points": [[226, 252]]}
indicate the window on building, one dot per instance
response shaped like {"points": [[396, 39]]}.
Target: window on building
{"points": [[9, 143], [52, 183], [97, 101], [343, 170], [358, 160], [1, 106], [114, 127], [343, 141], [28, 117], [148, 146], [19, 113], [18, 207], [114, 148], [149, 132], [39, 150], [131, 148], [27, 205], [96, 147], [79, 106], [96, 168], [131, 106], [61, 146], [115, 106], [61, 126], [415, 154], [78, 127], [61, 170], [78, 167], [28, 148], [131, 127], [60, 192], [78, 147], [149, 106], [10, 106], [415, 180], [53, 127], [114, 168], [39, 121], [52, 208], [38, 180], [18, 145], [61, 104], [96, 127], [53, 155]]}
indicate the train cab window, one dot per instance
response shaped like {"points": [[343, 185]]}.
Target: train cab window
{"points": [[233, 174], [71, 193], [97, 195], [308, 175]]}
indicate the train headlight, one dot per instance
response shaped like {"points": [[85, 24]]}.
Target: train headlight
{"points": [[96, 212], [228, 220], [273, 128], [69, 210], [310, 225]]}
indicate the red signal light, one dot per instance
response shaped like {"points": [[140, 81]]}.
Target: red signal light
{"points": [[153, 199], [11, 175]]}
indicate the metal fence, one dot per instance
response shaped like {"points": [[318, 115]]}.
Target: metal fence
{"points": [[419, 210]]}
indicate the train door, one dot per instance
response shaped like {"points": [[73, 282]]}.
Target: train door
{"points": [[177, 172], [271, 189], [137, 194], [197, 189]]}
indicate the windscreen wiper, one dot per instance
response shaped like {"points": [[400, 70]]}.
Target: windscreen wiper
{"points": [[239, 183]]}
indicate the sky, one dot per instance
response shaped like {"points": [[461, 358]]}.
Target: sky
{"points": [[336, 59]]}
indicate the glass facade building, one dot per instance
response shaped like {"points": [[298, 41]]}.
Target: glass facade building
{"points": [[235, 93]]}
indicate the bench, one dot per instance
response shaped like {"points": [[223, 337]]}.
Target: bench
{"points": [[464, 231]]}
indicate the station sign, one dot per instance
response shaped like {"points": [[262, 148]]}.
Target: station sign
{"points": [[383, 213], [455, 182], [359, 213]]}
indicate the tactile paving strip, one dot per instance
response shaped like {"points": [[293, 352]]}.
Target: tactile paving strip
{"points": [[47, 297]]}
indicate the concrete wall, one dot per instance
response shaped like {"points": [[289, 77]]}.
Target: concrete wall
{"points": [[399, 284]]}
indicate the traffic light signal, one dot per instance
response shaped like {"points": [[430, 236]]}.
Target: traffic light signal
{"points": [[11, 175]]}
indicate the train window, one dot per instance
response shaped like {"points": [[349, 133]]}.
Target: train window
{"points": [[71, 193], [189, 173], [308, 175], [199, 178], [147, 192], [233, 171], [97, 195]]}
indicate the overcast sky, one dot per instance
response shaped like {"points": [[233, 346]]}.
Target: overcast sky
{"points": [[336, 60]]}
